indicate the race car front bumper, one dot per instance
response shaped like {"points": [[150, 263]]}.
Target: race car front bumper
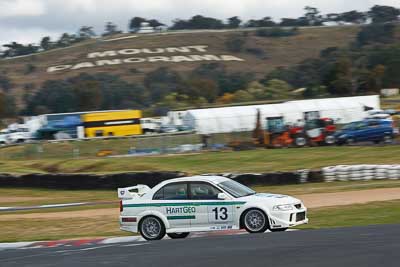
{"points": [[287, 219]]}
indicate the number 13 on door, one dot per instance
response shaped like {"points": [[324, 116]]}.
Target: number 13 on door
{"points": [[220, 214]]}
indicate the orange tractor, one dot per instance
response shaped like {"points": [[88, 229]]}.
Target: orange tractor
{"points": [[277, 134]]}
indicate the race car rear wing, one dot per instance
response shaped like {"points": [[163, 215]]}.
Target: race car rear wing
{"points": [[133, 192]]}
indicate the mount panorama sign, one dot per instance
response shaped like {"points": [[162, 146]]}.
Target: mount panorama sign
{"points": [[195, 53]]}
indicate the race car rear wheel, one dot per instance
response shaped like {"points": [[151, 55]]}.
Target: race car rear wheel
{"points": [[255, 221], [178, 235], [152, 228]]}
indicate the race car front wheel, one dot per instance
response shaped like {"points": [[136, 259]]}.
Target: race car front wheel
{"points": [[255, 221], [178, 235], [152, 228]]}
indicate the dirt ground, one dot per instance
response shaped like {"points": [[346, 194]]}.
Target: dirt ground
{"points": [[310, 200], [20, 199]]}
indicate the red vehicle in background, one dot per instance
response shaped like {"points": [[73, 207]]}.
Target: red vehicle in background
{"points": [[319, 131]]}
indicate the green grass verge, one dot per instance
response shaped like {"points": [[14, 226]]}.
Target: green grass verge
{"points": [[262, 160], [45, 229], [373, 213]]}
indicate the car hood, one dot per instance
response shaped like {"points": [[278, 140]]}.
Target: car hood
{"points": [[273, 199]]}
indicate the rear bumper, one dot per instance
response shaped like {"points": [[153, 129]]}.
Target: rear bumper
{"points": [[128, 226]]}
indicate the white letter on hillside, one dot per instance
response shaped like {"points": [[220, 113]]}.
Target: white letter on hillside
{"points": [[134, 60], [155, 51], [180, 59], [83, 65], [183, 49], [102, 54], [108, 62], [199, 48], [204, 57], [155, 59], [129, 51], [58, 68], [230, 58]]}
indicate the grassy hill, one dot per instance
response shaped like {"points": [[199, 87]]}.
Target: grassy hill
{"points": [[284, 51]]}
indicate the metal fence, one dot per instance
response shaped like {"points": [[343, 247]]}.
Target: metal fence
{"points": [[121, 147]]}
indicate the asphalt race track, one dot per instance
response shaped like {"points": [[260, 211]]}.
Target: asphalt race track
{"points": [[358, 246]]}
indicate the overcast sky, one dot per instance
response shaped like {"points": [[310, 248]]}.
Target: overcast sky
{"points": [[27, 21]]}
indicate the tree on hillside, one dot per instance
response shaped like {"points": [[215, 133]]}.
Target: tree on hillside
{"points": [[389, 57], [7, 106], [227, 82], [110, 29], [46, 43], [89, 95], [242, 96], [198, 22], [264, 22], [66, 40], [376, 33], [382, 14], [353, 17], [155, 23], [161, 82], [342, 78], [86, 32], [16, 49], [86, 92], [135, 23], [235, 44], [5, 83], [234, 22], [205, 88], [313, 16]]}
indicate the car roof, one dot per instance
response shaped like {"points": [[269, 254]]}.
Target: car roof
{"points": [[199, 178]]}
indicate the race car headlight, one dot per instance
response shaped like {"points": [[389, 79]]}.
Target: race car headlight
{"points": [[343, 136], [283, 207]]}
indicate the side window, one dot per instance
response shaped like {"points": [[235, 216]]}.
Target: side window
{"points": [[373, 123], [203, 191], [176, 191]]}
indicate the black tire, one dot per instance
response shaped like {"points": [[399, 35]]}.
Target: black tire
{"points": [[387, 139], [178, 235], [300, 141], [152, 228], [250, 221], [330, 140], [278, 230], [350, 141]]}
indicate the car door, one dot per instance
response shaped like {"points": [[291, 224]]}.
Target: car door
{"points": [[361, 132], [374, 130], [172, 200], [211, 213]]}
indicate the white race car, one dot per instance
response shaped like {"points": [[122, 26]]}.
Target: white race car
{"points": [[204, 203]]}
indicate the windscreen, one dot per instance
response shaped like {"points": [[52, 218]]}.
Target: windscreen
{"points": [[236, 189]]}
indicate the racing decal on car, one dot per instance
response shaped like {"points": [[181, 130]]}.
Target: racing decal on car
{"points": [[183, 213], [185, 210], [270, 195], [143, 205], [221, 227]]}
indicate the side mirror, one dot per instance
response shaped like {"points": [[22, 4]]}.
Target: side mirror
{"points": [[222, 196]]}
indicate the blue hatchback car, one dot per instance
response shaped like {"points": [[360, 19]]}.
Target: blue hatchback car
{"points": [[373, 130]]}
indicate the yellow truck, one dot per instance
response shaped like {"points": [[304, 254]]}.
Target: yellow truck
{"points": [[112, 123]]}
